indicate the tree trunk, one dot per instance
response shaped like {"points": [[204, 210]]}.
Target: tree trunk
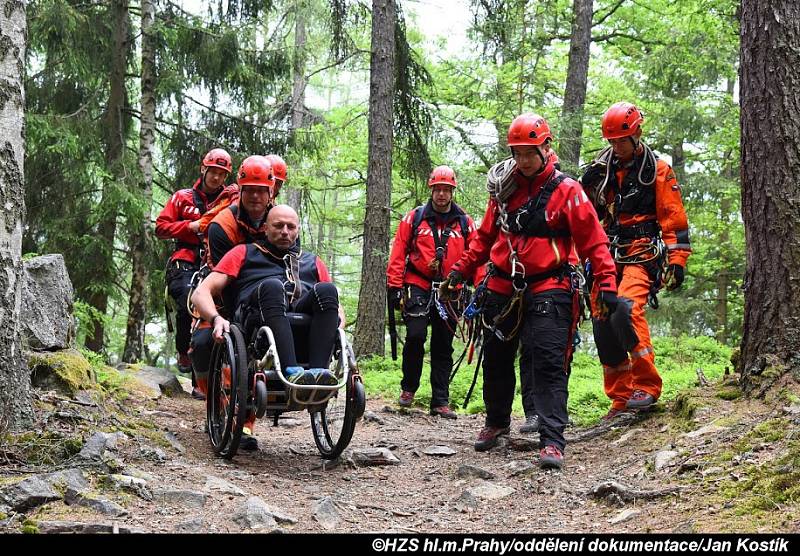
{"points": [[16, 410], [369, 335], [723, 278], [770, 126], [569, 144], [115, 151], [293, 195], [679, 161], [140, 240]]}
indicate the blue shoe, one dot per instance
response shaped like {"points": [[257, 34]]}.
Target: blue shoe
{"points": [[324, 377], [293, 373]]}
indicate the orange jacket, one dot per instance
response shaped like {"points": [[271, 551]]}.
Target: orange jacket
{"points": [[230, 228], [669, 212]]}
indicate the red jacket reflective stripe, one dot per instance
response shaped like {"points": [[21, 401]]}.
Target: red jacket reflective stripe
{"points": [[423, 251], [174, 219], [568, 209]]}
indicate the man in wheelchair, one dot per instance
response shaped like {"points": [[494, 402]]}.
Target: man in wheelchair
{"points": [[269, 278]]}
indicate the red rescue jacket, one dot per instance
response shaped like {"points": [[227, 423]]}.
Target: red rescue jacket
{"points": [[182, 209], [569, 210], [415, 264]]}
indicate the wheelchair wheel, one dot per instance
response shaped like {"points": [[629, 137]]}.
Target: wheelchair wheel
{"points": [[228, 388], [333, 425]]}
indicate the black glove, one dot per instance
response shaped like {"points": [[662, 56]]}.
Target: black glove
{"points": [[395, 297], [450, 284], [606, 303], [673, 279]]}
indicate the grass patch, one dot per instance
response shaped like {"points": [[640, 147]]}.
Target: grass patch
{"points": [[676, 358], [768, 487], [42, 448]]}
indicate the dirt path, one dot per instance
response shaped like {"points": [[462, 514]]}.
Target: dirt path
{"points": [[425, 493]]}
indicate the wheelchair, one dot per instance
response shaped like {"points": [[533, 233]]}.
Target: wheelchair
{"points": [[246, 379]]}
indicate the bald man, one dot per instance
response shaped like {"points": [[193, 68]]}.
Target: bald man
{"points": [[269, 278]]}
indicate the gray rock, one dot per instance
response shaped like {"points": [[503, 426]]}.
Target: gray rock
{"points": [[326, 514], [290, 423], [708, 429], [153, 379], [107, 507], [374, 456], [490, 491], [94, 449], [72, 478], [184, 498], [624, 515], [664, 458], [622, 440], [372, 417], [215, 484], [173, 441], [439, 451], [466, 471], [194, 525], [28, 493], [134, 484], [46, 311], [465, 503], [255, 514], [685, 527], [154, 454], [139, 474], [77, 527], [515, 468]]}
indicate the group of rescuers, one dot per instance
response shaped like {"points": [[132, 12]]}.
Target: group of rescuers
{"points": [[619, 233]]}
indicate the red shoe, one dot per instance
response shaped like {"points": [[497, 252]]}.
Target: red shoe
{"points": [[550, 457], [406, 399], [640, 400], [444, 411], [614, 413], [487, 438]]}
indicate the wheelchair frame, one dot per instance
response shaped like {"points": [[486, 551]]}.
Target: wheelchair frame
{"points": [[240, 386]]}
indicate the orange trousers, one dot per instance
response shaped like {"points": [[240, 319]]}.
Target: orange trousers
{"points": [[638, 371]]}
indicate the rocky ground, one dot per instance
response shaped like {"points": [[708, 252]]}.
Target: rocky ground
{"points": [[141, 464]]}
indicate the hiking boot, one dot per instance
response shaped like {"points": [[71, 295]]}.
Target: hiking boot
{"points": [[444, 411], [614, 413], [324, 377], [184, 363], [550, 457], [198, 395], [487, 438], [531, 424], [248, 443], [640, 400], [406, 399]]}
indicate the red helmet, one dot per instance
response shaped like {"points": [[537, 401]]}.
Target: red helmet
{"points": [[442, 174], [279, 168], [218, 158], [528, 129], [255, 170], [621, 120]]}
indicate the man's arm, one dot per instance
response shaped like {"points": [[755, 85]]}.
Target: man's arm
{"points": [[203, 300]]}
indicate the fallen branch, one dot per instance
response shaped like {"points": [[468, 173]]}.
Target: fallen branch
{"points": [[623, 420], [616, 491], [701, 378]]}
